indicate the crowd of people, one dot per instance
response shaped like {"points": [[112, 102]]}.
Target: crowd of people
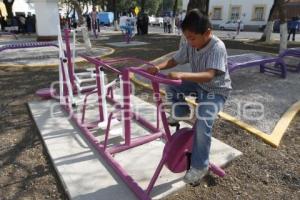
{"points": [[19, 23], [139, 22]]}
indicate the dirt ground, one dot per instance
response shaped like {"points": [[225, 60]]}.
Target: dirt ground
{"points": [[262, 172]]}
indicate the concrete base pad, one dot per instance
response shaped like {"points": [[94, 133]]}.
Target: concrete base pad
{"points": [[85, 175], [125, 44]]}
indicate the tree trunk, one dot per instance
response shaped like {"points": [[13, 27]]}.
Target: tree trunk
{"points": [[268, 31], [69, 9], [143, 6], [82, 25], [283, 25], [202, 5], [8, 7], [269, 27], [175, 7], [114, 5], [78, 9]]}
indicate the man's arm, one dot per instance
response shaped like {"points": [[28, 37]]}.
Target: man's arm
{"points": [[164, 65], [167, 64], [200, 77]]}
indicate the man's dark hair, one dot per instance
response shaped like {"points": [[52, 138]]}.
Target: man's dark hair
{"points": [[195, 22]]}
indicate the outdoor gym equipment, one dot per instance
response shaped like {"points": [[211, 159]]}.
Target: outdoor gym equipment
{"points": [[278, 66], [177, 145], [80, 82], [112, 111], [77, 82]]}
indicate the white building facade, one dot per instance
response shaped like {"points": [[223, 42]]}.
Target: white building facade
{"points": [[253, 14]]}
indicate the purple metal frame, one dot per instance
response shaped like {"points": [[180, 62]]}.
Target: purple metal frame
{"points": [[106, 64], [154, 131], [68, 54], [250, 60], [27, 45], [293, 52]]}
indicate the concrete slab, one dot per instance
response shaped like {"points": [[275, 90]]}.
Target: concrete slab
{"points": [[125, 44], [85, 174], [92, 38]]}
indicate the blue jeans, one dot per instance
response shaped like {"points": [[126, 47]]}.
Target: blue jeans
{"points": [[127, 29], [209, 104]]}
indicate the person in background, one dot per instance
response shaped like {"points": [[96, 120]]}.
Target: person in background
{"points": [[94, 21], [165, 24], [293, 28], [29, 24], [88, 22], [22, 26], [169, 26]]}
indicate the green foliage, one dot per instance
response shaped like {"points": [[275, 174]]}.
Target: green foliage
{"points": [[152, 7], [126, 5]]}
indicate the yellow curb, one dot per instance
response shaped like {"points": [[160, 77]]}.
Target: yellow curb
{"points": [[78, 61], [273, 139]]}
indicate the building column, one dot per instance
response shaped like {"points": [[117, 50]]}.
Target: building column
{"points": [[47, 19]]}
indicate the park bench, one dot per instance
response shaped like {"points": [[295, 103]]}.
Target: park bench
{"points": [[292, 52], [251, 59]]}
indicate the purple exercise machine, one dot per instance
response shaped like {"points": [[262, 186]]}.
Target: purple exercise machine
{"points": [[177, 145]]}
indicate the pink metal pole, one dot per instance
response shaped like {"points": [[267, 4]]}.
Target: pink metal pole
{"points": [[84, 105], [65, 87], [216, 170], [107, 129], [138, 118], [155, 86], [126, 106], [135, 142], [100, 105], [69, 57], [156, 174], [135, 188]]}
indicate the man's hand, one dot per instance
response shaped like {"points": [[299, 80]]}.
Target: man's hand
{"points": [[175, 75], [153, 70]]}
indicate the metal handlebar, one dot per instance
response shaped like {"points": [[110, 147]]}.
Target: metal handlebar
{"points": [[160, 78]]}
